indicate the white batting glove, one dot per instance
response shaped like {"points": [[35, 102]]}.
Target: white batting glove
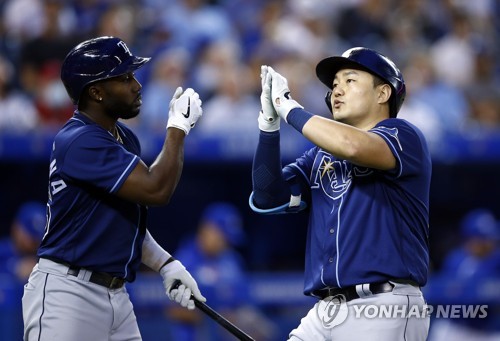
{"points": [[268, 118], [184, 110], [173, 272], [280, 94]]}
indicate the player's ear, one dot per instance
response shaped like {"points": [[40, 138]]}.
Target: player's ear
{"points": [[384, 93], [94, 92]]}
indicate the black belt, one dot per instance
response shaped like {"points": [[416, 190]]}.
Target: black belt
{"points": [[350, 293], [101, 278]]}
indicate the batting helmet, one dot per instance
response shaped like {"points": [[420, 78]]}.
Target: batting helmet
{"points": [[32, 219], [227, 218], [94, 60], [370, 61], [480, 222]]}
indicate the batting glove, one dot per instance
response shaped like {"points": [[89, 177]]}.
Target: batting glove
{"points": [[280, 94], [268, 118], [184, 110], [174, 272]]}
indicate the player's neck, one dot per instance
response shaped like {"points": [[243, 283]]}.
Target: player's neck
{"points": [[104, 121]]}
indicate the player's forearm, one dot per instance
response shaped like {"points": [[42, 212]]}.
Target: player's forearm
{"points": [[269, 187], [349, 143], [166, 170], [156, 184]]}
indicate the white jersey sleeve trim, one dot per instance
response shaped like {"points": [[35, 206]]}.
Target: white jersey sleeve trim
{"points": [[123, 173]]}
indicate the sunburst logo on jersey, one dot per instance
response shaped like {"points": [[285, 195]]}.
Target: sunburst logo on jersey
{"points": [[326, 168]]}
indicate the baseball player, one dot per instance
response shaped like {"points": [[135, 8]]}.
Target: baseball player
{"points": [[366, 186], [98, 195]]}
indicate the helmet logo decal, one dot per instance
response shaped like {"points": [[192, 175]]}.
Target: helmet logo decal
{"points": [[124, 47]]}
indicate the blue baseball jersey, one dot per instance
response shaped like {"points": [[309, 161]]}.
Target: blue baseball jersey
{"points": [[88, 225], [367, 225]]}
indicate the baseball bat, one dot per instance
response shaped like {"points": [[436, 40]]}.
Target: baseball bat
{"points": [[221, 320]]}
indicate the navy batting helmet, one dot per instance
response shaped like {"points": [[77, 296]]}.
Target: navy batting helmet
{"points": [[227, 218], [94, 60], [480, 222], [370, 61]]}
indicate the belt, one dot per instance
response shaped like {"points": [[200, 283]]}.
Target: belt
{"points": [[96, 277], [101, 278], [355, 291]]}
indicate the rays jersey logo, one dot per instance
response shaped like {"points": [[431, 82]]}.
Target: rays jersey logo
{"points": [[333, 176]]}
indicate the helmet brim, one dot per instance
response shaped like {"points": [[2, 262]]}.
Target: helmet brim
{"points": [[130, 65], [328, 68]]}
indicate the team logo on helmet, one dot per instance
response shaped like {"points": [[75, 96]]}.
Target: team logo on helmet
{"points": [[125, 47]]}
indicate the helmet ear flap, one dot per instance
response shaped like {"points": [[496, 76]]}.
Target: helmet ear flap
{"points": [[328, 101]]}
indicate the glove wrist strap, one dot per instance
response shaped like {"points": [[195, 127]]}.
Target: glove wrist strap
{"points": [[298, 117], [168, 261]]}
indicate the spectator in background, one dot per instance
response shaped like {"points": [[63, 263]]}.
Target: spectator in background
{"points": [[453, 54], [17, 111], [213, 60], [485, 112], [193, 23], [234, 105], [168, 71], [370, 28], [476, 260], [433, 105], [211, 257], [423, 20], [21, 20], [40, 64], [18, 251], [118, 20], [484, 93], [88, 12]]}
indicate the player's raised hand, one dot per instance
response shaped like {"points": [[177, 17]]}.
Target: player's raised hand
{"points": [[280, 94], [268, 118], [184, 110], [175, 272]]}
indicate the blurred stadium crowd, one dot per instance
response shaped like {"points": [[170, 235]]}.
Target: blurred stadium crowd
{"points": [[447, 49]]}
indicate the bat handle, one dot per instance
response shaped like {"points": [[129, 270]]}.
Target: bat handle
{"points": [[240, 334]]}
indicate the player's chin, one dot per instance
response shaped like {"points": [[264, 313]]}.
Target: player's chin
{"points": [[134, 112], [337, 115], [340, 117]]}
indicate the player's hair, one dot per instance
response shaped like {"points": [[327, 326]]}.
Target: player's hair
{"points": [[378, 81], [84, 97]]}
